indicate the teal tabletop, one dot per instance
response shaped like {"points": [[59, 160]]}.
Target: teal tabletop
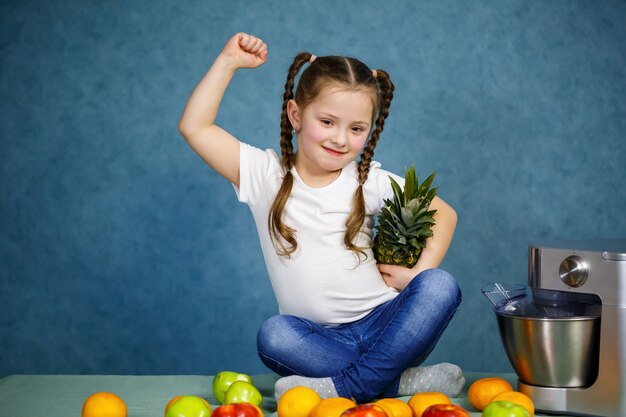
{"points": [[145, 396]]}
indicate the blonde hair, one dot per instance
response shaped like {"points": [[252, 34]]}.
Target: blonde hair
{"points": [[324, 71]]}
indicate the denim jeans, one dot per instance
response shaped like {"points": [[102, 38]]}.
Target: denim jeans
{"points": [[365, 358]]}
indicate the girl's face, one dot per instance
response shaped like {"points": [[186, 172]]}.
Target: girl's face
{"points": [[332, 131]]}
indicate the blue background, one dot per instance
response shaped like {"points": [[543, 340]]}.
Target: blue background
{"points": [[122, 253]]}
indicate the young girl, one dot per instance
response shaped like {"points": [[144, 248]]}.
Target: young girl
{"points": [[348, 327]]}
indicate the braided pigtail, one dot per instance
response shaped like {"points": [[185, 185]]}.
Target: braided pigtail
{"points": [[357, 216], [280, 232]]}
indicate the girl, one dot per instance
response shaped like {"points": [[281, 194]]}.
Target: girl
{"points": [[348, 327]]}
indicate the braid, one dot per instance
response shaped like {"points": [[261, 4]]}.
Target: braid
{"points": [[279, 231], [357, 216], [386, 87], [286, 145]]}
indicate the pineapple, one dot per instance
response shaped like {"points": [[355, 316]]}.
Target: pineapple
{"points": [[405, 223]]}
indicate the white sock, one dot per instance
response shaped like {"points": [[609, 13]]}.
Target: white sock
{"points": [[443, 377]]}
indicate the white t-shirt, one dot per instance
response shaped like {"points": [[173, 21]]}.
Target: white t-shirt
{"points": [[322, 280]]}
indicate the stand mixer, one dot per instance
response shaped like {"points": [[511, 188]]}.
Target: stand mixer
{"points": [[567, 343]]}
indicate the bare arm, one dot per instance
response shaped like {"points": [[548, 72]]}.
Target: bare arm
{"points": [[213, 144], [436, 248]]}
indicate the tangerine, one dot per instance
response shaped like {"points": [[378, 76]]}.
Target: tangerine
{"points": [[516, 398], [395, 407], [483, 390], [422, 400], [297, 402], [332, 407], [104, 404]]}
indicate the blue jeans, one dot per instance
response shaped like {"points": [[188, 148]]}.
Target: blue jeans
{"points": [[365, 358]]}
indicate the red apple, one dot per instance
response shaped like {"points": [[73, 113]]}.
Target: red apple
{"points": [[237, 410], [365, 410], [445, 410]]}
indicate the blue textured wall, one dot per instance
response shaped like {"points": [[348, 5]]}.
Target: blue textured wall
{"points": [[121, 252]]}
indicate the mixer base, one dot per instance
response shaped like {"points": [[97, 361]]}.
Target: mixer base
{"points": [[559, 400]]}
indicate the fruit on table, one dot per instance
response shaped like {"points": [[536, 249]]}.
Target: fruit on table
{"points": [[298, 402], [445, 410], [187, 406], [104, 404], [365, 410], [238, 410], [504, 409], [332, 407], [173, 400], [223, 380], [518, 398], [483, 390], [405, 222], [395, 407], [243, 392], [422, 400]]}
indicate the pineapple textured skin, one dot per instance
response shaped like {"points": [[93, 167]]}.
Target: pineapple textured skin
{"points": [[405, 222]]}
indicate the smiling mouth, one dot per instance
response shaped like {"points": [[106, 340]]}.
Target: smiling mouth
{"points": [[333, 152]]}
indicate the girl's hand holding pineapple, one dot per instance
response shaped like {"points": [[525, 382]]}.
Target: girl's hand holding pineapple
{"points": [[415, 217]]}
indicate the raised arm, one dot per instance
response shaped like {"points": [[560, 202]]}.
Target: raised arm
{"points": [[213, 144]]}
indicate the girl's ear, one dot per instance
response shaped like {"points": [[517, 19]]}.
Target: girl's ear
{"points": [[293, 113]]}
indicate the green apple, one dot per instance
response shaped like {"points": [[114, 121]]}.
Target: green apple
{"points": [[188, 406], [505, 409], [243, 392], [224, 380]]}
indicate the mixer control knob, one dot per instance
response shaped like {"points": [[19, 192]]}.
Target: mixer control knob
{"points": [[573, 271]]}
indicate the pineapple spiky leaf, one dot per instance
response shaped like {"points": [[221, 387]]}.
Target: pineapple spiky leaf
{"points": [[397, 194], [405, 222]]}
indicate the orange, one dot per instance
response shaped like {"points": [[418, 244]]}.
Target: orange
{"points": [[395, 407], [516, 398], [297, 402], [422, 400], [104, 404], [483, 390], [331, 407]]}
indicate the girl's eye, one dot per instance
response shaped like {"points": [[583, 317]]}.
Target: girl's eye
{"points": [[326, 122], [358, 129]]}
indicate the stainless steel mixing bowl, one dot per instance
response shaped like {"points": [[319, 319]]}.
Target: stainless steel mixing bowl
{"points": [[552, 352]]}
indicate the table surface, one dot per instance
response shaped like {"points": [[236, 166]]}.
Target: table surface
{"points": [[145, 396]]}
